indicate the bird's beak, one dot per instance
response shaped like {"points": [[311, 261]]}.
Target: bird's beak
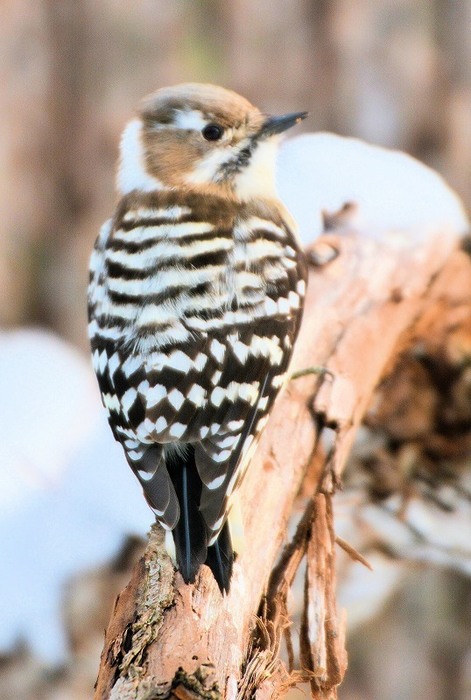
{"points": [[275, 125]]}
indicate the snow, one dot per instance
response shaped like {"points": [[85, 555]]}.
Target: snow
{"points": [[40, 426], [321, 172], [67, 496]]}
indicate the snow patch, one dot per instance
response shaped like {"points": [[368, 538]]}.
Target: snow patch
{"points": [[394, 191]]}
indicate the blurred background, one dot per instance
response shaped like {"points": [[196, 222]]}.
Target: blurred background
{"points": [[393, 72]]}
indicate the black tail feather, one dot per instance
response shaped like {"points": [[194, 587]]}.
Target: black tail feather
{"points": [[220, 559], [190, 535]]}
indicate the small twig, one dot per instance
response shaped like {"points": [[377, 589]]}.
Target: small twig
{"points": [[352, 552], [322, 647], [291, 557], [312, 370], [289, 648]]}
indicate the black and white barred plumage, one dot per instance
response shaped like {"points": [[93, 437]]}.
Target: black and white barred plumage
{"points": [[195, 300]]}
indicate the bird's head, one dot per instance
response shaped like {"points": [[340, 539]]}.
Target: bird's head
{"points": [[201, 136]]}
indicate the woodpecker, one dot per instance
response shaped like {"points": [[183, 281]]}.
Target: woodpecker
{"points": [[195, 300]]}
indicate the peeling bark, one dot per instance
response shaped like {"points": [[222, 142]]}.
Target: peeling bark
{"points": [[323, 652]]}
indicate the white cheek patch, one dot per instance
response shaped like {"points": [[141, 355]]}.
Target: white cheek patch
{"points": [[208, 168], [132, 174]]}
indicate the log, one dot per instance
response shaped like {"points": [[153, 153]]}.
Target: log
{"points": [[171, 640]]}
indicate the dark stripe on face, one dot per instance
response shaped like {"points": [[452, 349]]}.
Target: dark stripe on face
{"points": [[239, 162]]}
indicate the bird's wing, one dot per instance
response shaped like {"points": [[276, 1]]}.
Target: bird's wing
{"points": [[247, 389]]}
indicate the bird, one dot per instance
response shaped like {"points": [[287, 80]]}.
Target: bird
{"points": [[195, 299]]}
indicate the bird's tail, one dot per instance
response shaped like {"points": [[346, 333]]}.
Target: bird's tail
{"points": [[220, 557], [190, 533]]}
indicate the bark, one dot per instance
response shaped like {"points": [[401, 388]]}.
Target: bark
{"points": [[170, 640]]}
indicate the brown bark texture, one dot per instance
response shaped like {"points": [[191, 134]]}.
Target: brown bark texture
{"points": [[367, 294]]}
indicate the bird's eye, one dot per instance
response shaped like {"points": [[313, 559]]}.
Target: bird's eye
{"points": [[212, 132]]}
